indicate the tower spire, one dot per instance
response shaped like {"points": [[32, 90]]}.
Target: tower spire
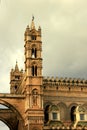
{"points": [[16, 66], [32, 17], [32, 23]]}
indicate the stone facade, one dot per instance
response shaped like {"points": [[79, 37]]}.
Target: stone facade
{"points": [[36, 102]]}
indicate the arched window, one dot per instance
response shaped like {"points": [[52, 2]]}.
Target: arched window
{"points": [[46, 114], [72, 113], [35, 91], [34, 70], [33, 37], [54, 113], [34, 53]]}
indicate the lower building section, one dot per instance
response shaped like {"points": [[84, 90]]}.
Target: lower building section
{"points": [[60, 116]]}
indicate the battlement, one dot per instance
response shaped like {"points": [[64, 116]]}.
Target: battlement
{"points": [[65, 81]]}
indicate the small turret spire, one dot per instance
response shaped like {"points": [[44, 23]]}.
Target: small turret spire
{"points": [[16, 66], [32, 23]]}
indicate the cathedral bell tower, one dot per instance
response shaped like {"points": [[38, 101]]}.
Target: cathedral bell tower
{"points": [[33, 73]]}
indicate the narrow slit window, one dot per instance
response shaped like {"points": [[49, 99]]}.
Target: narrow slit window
{"points": [[36, 70], [32, 70], [33, 53]]}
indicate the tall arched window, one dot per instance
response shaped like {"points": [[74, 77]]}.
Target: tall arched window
{"points": [[46, 114], [34, 52], [72, 113], [34, 70]]}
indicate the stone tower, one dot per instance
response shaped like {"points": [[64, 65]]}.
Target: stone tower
{"points": [[33, 78]]}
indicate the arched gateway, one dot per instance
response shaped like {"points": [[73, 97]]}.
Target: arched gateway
{"points": [[39, 103], [11, 115]]}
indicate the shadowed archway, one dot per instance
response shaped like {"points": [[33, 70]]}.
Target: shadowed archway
{"points": [[10, 116]]}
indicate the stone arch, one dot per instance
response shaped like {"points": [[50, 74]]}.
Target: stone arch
{"points": [[71, 110], [63, 111], [47, 103], [54, 112], [16, 117], [35, 91]]}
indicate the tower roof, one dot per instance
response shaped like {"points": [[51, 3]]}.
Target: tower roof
{"points": [[16, 67]]}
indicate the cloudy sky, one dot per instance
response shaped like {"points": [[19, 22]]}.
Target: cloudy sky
{"points": [[64, 36]]}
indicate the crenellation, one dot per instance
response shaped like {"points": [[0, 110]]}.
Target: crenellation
{"points": [[65, 81]]}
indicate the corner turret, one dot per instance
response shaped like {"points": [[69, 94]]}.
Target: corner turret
{"points": [[15, 79]]}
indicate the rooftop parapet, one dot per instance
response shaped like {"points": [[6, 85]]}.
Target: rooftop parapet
{"points": [[65, 81]]}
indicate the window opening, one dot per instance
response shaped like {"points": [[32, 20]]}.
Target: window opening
{"points": [[33, 37], [34, 53], [46, 114], [36, 70], [81, 116], [32, 70], [15, 86], [54, 115], [72, 113]]}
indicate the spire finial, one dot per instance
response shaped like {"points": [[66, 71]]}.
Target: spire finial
{"points": [[32, 17], [32, 23], [16, 62]]}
